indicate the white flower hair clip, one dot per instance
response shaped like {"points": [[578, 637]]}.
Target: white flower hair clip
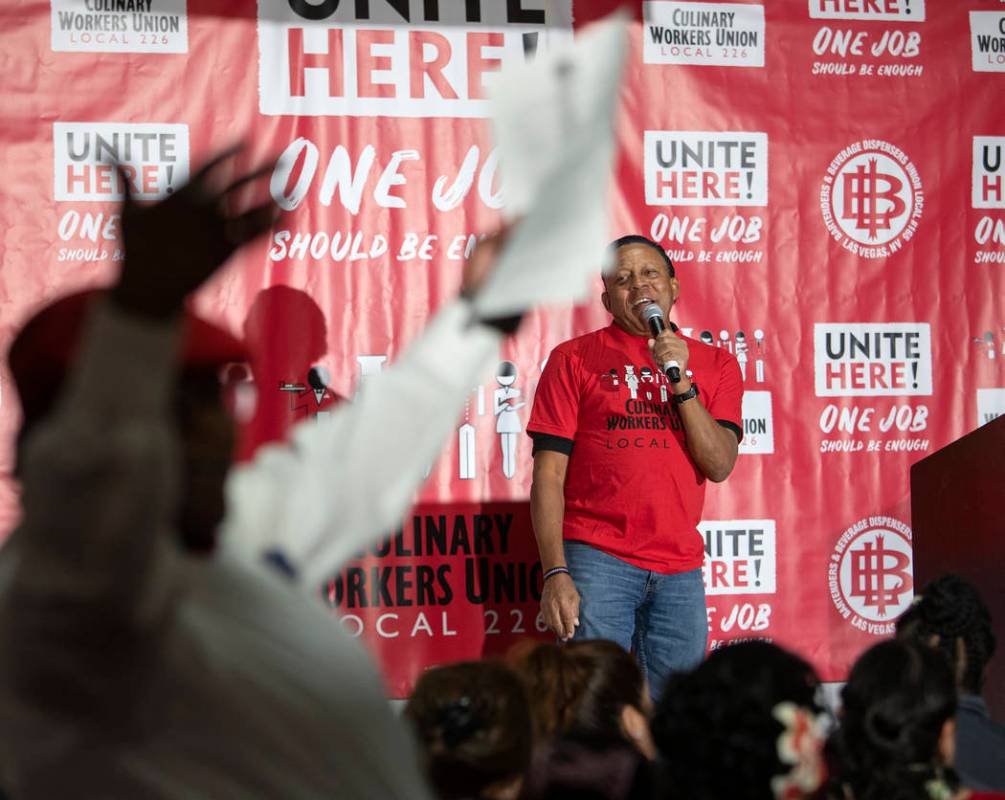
{"points": [[801, 746]]}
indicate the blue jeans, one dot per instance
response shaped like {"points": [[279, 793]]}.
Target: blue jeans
{"points": [[660, 618]]}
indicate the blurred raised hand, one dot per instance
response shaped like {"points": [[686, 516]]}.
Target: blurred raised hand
{"points": [[174, 245]]}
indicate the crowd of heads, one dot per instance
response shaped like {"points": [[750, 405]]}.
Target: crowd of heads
{"points": [[749, 722]]}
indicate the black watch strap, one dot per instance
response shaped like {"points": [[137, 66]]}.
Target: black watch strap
{"points": [[685, 396]]}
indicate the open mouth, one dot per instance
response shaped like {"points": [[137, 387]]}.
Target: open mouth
{"points": [[642, 302]]}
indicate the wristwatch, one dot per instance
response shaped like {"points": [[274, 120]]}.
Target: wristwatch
{"points": [[685, 396]]}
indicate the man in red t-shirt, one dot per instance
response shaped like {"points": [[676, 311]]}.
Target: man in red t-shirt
{"points": [[621, 455]]}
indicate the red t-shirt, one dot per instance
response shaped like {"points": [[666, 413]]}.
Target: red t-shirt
{"points": [[632, 488]]}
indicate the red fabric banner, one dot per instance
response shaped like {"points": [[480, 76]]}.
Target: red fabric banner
{"points": [[827, 175]]}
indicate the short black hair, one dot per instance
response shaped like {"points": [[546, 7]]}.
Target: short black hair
{"points": [[634, 238]]}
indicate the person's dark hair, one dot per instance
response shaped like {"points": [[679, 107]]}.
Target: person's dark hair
{"points": [[950, 610], [898, 697], [579, 689], [716, 727], [634, 238], [473, 726]]}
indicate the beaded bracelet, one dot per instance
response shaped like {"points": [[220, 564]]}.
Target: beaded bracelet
{"points": [[555, 571]]}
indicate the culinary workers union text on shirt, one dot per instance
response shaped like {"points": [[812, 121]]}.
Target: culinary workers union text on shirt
{"points": [[632, 488]]}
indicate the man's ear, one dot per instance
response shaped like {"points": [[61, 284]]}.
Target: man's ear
{"points": [[606, 300], [674, 288]]}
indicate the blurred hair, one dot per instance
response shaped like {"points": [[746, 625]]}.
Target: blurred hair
{"points": [[715, 727], [579, 689], [473, 725], [898, 697], [949, 610]]}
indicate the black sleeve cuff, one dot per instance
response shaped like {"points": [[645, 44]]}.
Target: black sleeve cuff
{"points": [[547, 441], [733, 427]]}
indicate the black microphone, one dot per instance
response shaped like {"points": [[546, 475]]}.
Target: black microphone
{"points": [[653, 314]]}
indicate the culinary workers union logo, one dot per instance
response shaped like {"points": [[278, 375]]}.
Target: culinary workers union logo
{"points": [[871, 199]]}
